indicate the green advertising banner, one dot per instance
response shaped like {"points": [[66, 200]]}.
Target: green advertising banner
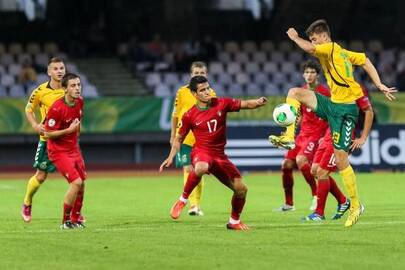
{"points": [[138, 114]]}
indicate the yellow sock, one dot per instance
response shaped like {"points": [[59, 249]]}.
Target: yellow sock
{"points": [[32, 187], [290, 131], [195, 196], [349, 181]]}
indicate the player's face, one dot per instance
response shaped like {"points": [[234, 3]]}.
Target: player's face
{"points": [[203, 93], [198, 71], [74, 88], [56, 71], [320, 38], [310, 75]]}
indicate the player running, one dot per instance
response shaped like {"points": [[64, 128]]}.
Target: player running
{"points": [[312, 129], [62, 128], [207, 120], [184, 101], [340, 110]]}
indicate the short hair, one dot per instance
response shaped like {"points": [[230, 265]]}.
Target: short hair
{"points": [[311, 64], [195, 81], [198, 64], [55, 60], [67, 77], [317, 27]]}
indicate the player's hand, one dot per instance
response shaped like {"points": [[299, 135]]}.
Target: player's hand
{"points": [[74, 126], [357, 143], [292, 34], [262, 101], [40, 129], [165, 164], [387, 91]]}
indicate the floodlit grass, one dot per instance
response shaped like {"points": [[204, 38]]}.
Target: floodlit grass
{"points": [[128, 227]]}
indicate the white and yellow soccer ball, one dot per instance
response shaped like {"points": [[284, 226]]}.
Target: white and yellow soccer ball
{"points": [[284, 114]]}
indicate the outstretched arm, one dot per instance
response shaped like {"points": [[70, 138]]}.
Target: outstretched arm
{"points": [[302, 43], [173, 151], [368, 122], [253, 103], [372, 72]]}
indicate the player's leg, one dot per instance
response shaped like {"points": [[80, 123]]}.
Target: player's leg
{"points": [[76, 217], [288, 182], [304, 166], [195, 196], [74, 188]]}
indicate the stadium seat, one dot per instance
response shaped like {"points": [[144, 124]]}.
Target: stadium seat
{"points": [[277, 56], [71, 67], [296, 78], [271, 89], [163, 91], [233, 68], [15, 48], [267, 46], [236, 90], [388, 56], [41, 60], [249, 46], [51, 49], [357, 46], [14, 69], [160, 66], [6, 59], [219, 89], [2, 49], [17, 91], [279, 78], [253, 89], [33, 48], [42, 77], [153, 79], [261, 78], [252, 67], [285, 87], [231, 47], [24, 57], [90, 91], [184, 78], [224, 79], [171, 78], [285, 46], [242, 78], [3, 91], [224, 57], [375, 46], [7, 80], [2, 70], [288, 67], [259, 57], [215, 68], [270, 67], [241, 57], [296, 57]]}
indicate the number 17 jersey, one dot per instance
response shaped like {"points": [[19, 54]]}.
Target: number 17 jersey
{"points": [[209, 125]]}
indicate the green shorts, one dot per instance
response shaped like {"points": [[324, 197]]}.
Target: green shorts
{"points": [[183, 156], [41, 161], [342, 119]]}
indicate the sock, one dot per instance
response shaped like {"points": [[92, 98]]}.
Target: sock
{"points": [[192, 182], [77, 207], [237, 207], [306, 172], [195, 196], [336, 192], [290, 131], [349, 181], [322, 194], [32, 187], [67, 209], [288, 183]]}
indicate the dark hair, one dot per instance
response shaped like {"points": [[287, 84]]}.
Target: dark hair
{"points": [[195, 81], [317, 27], [198, 64], [67, 77], [55, 60], [311, 64]]}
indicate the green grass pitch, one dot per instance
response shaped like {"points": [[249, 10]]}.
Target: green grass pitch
{"points": [[128, 227]]}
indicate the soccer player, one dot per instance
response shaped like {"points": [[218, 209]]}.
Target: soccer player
{"points": [[340, 110], [184, 101], [41, 99], [207, 120], [312, 129], [324, 163], [62, 130]]}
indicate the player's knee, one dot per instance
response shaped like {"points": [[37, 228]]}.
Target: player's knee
{"points": [[241, 190], [41, 176], [342, 159], [187, 168], [321, 173], [314, 169], [78, 183], [287, 164], [201, 168], [301, 161]]}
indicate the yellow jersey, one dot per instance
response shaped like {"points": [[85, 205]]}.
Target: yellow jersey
{"points": [[184, 101], [43, 97], [337, 64]]}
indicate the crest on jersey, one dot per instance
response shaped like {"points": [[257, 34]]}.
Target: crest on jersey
{"points": [[51, 122], [309, 110], [219, 113]]}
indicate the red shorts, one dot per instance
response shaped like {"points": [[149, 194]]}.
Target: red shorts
{"points": [[220, 166], [325, 157], [70, 165], [305, 146]]}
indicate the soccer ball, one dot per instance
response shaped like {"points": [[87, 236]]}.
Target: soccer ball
{"points": [[284, 114]]}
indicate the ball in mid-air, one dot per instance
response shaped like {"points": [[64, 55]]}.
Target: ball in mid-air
{"points": [[284, 114]]}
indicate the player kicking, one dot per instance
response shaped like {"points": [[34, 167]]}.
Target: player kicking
{"points": [[184, 101], [207, 121], [312, 129], [324, 164], [62, 129], [340, 110], [42, 98]]}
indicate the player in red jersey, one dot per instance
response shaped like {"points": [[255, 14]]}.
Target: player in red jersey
{"points": [[62, 129], [312, 129], [324, 163], [207, 121]]}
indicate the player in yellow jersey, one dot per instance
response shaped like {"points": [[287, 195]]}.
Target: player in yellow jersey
{"points": [[340, 110], [184, 101], [41, 99]]}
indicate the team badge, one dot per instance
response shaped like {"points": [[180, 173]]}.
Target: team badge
{"points": [[184, 158], [219, 113], [43, 165], [51, 122]]}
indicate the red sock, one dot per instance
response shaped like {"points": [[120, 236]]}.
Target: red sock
{"points": [[334, 189], [288, 183], [191, 183], [322, 194], [237, 207], [77, 207], [306, 172], [66, 212]]}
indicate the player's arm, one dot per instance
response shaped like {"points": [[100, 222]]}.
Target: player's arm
{"points": [[175, 116], [302, 43], [175, 121], [253, 103], [176, 144], [368, 122], [372, 72], [74, 127], [30, 113]]}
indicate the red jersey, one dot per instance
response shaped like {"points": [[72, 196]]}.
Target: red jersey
{"points": [[311, 124], [59, 117], [209, 125]]}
